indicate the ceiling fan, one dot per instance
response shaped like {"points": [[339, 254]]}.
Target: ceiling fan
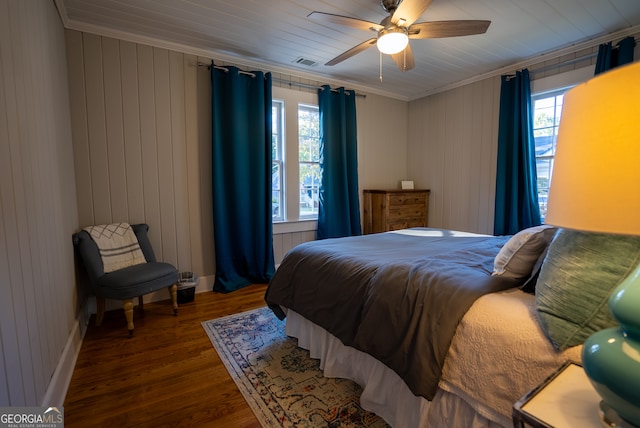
{"points": [[394, 31]]}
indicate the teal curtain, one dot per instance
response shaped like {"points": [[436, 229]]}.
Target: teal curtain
{"points": [[516, 203], [339, 207], [241, 155], [610, 57]]}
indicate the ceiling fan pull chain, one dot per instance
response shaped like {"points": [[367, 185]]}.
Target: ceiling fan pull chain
{"points": [[405, 60], [380, 53]]}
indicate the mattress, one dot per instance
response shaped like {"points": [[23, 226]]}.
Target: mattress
{"points": [[497, 355]]}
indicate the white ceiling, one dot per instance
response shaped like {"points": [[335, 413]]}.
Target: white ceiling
{"points": [[273, 34]]}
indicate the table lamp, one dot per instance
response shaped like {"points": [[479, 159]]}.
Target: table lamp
{"points": [[596, 187]]}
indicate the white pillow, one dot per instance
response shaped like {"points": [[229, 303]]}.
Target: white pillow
{"points": [[518, 256]]}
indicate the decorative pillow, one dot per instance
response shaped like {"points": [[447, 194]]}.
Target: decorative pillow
{"points": [[578, 275], [518, 256], [529, 285]]}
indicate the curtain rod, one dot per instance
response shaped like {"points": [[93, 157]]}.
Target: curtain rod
{"points": [[564, 63], [276, 79], [308, 86], [225, 69], [561, 64], [554, 65]]}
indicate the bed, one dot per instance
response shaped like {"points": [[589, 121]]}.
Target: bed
{"points": [[432, 323]]}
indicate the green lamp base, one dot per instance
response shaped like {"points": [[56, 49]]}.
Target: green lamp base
{"points": [[610, 418], [612, 362], [611, 357]]}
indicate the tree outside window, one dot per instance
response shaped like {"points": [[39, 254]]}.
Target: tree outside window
{"points": [[309, 158]]}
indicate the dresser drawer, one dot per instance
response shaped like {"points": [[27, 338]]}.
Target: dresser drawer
{"points": [[406, 211], [396, 200]]}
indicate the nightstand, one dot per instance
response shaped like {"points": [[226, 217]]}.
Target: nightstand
{"points": [[566, 399]]}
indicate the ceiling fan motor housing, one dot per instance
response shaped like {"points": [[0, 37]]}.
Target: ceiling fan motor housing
{"points": [[390, 5]]}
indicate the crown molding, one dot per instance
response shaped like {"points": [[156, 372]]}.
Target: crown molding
{"points": [[296, 74], [216, 55], [548, 56]]}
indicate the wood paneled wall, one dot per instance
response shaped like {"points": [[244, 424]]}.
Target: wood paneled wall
{"points": [[141, 136], [453, 144], [38, 211], [283, 242]]}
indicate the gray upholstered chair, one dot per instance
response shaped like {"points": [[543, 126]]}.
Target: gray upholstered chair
{"points": [[127, 283]]}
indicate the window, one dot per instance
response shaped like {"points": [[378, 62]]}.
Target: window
{"points": [[548, 96], [547, 109], [309, 159], [296, 159], [277, 166]]}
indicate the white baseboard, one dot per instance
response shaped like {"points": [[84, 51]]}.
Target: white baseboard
{"points": [[57, 389], [205, 284]]}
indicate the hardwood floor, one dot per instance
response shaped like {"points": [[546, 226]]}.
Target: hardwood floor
{"points": [[167, 375]]}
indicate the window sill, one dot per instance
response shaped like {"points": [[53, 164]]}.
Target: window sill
{"points": [[294, 226]]}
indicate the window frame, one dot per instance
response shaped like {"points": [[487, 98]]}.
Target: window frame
{"points": [[547, 158], [278, 157], [553, 84], [292, 221]]}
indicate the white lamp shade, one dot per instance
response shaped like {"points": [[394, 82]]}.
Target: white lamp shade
{"points": [[391, 41], [595, 184]]}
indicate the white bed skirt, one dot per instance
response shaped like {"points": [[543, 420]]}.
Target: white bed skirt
{"points": [[384, 393]]}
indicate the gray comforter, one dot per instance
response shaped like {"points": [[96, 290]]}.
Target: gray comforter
{"points": [[398, 297]]}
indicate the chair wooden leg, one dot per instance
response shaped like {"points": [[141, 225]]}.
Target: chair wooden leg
{"points": [[128, 313], [141, 303], [99, 310], [173, 290]]}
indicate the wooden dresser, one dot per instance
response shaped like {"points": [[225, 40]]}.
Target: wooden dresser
{"points": [[386, 210]]}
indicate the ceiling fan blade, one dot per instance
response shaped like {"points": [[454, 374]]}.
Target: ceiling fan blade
{"points": [[330, 18], [437, 29], [404, 60], [353, 51], [409, 11]]}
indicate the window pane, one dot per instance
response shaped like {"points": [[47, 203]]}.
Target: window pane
{"points": [[544, 103], [277, 173], [309, 157], [542, 132], [309, 188], [546, 119], [309, 133], [276, 191], [277, 110]]}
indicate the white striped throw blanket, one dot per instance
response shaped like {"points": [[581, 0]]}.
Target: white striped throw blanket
{"points": [[118, 245]]}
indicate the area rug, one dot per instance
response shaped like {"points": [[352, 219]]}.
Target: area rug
{"points": [[283, 385]]}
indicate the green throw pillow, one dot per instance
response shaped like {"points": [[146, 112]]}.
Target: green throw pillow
{"points": [[578, 275]]}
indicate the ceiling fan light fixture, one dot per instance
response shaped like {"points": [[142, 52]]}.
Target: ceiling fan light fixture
{"points": [[392, 40]]}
